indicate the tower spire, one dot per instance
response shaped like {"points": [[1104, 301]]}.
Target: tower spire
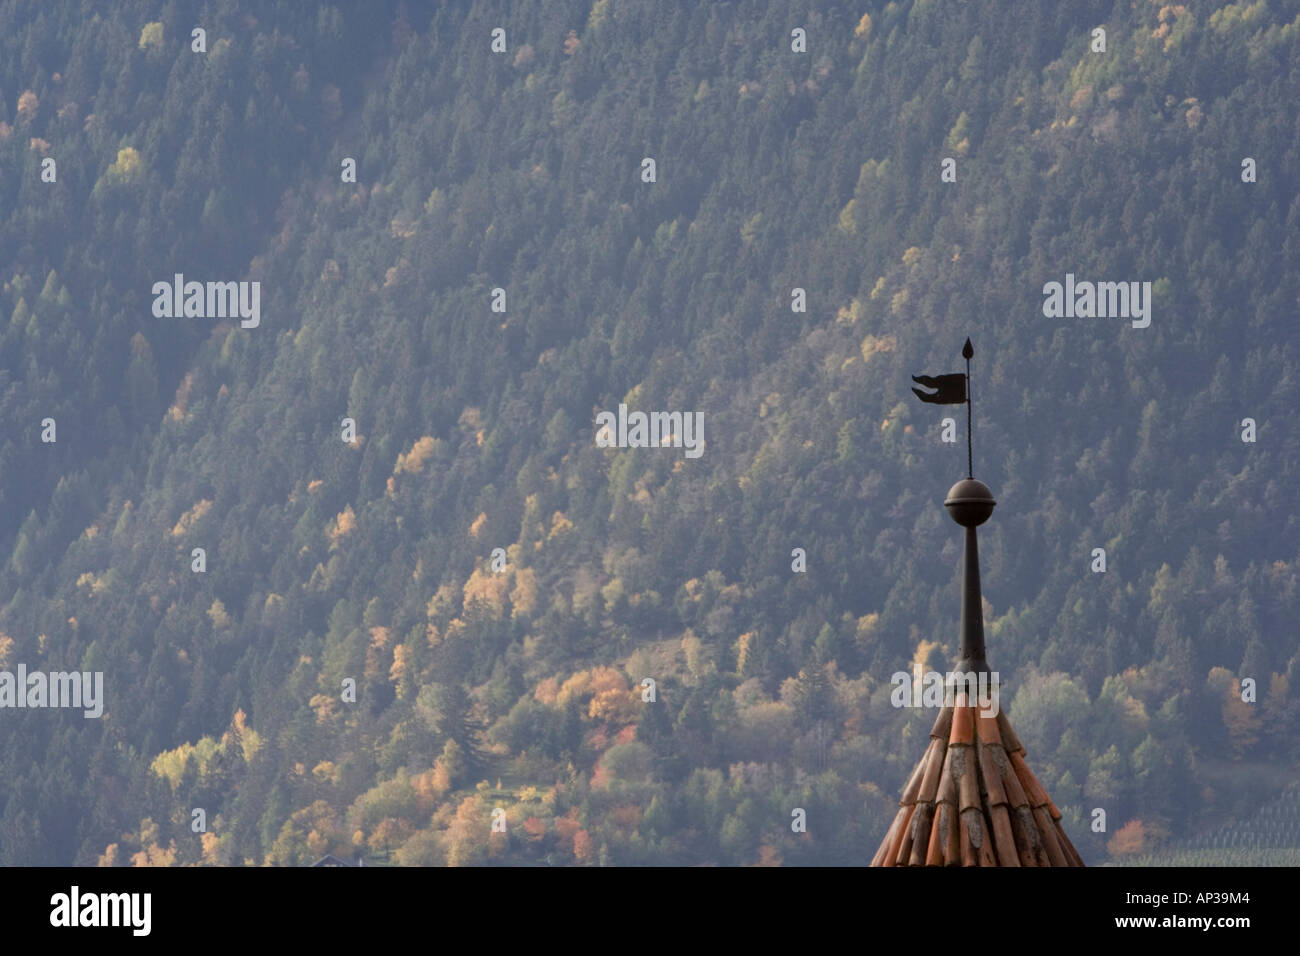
{"points": [[972, 800]]}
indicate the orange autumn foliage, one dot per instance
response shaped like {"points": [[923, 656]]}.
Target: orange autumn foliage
{"points": [[627, 817], [582, 845], [535, 828], [567, 826], [1130, 839], [768, 856]]}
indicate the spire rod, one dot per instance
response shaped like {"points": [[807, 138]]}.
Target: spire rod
{"points": [[970, 503], [966, 352]]}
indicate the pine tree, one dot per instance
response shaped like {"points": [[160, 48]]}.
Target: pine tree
{"points": [[460, 723]]}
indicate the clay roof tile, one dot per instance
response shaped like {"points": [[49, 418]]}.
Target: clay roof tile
{"points": [[968, 782], [934, 766], [1047, 828], [1009, 738], [1003, 837], [948, 781], [942, 724], [1033, 789], [969, 856], [914, 782], [1011, 783], [989, 732], [902, 841], [921, 821], [963, 721], [938, 836], [991, 776]]}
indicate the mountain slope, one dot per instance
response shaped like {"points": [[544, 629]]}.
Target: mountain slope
{"points": [[371, 560]]}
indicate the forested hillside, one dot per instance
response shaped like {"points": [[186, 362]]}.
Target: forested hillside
{"points": [[515, 683]]}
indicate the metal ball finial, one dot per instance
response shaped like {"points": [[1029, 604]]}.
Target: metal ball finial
{"points": [[969, 502]]}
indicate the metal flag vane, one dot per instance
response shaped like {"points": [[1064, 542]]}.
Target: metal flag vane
{"points": [[952, 389]]}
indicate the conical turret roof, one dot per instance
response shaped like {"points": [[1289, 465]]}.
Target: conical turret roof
{"points": [[973, 801]]}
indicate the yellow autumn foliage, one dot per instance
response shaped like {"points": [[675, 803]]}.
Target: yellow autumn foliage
{"points": [[489, 589], [559, 525], [397, 673], [413, 461], [128, 166], [151, 36], [191, 517], [217, 612], [611, 698], [882, 343], [523, 599]]}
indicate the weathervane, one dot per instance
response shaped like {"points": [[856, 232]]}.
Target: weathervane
{"points": [[969, 503]]}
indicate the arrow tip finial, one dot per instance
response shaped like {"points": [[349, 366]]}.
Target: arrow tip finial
{"points": [[967, 350]]}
